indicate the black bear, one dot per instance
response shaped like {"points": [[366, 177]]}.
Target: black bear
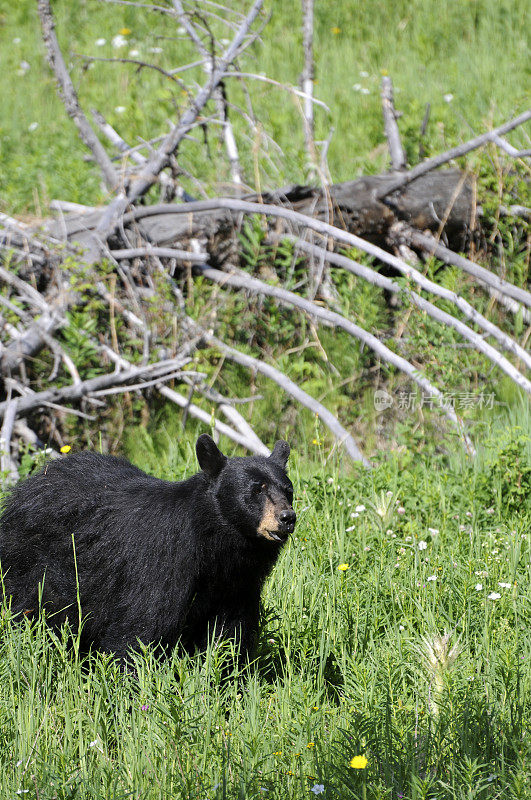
{"points": [[152, 560]]}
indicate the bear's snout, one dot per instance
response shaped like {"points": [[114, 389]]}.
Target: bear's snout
{"points": [[287, 520]]}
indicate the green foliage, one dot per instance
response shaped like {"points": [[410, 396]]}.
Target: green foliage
{"points": [[343, 667]]}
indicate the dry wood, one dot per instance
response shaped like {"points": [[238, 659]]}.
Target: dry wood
{"points": [[301, 220], [389, 285], [69, 96], [160, 159], [342, 436], [392, 134], [209, 63], [307, 78], [240, 280], [68, 394], [484, 276], [456, 152]]}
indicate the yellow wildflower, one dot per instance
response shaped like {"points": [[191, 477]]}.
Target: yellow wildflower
{"points": [[336, 30], [65, 449], [343, 567], [124, 31], [358, 762]]}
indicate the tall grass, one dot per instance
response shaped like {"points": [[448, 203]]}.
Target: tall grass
{"points": [[345, 665]]}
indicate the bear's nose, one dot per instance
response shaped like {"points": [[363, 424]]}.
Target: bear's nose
{"points": [[287, 519]]}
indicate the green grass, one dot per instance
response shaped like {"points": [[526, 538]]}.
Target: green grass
{"points": [[342, 668], [475, 50]]}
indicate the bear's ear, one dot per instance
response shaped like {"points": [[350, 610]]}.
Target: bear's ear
{"points": [[211, 459], [280, 453]]}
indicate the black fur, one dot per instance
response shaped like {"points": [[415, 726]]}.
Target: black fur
{"points": [[156, 561]]}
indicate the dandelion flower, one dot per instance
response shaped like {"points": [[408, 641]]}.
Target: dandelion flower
{"points": [[124, 31], [65, 449], [343, 567], [358, 762], [494, 596], [336, 30]]}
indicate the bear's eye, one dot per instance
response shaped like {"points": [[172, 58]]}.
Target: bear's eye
{"points": [[259, 488]]}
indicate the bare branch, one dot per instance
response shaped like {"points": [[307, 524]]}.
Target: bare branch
{"points": [[484, 276], [240, 280], [340, 433], [341, 236], [433, 311], [160, 158], [69, 96], [509, 149], [396, 151], [77, 391], [7, 466], [455, 152], [307, 77]]}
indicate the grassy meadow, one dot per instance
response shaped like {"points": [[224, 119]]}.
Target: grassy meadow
{"points": [[394, 660], [468, 58], [396, 632]]}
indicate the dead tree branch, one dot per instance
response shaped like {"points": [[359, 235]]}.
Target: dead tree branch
{"points": [[69, 96], [392, 134], [455, 152], [160, 159], [240, 280]]}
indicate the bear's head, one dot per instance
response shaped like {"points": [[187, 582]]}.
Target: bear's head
{"points": [[254, 493]]}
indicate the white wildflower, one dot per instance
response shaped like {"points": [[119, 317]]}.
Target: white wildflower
{"points": [[432, 578], [120, 109], [479, 587], [317, 789], [100, 42], [364, 74], [33, 127], [448, 98], [494, 596], [155, 49], [359, 509], [504, 585], [134, 53], [423, 545], [433, 531], [364, 90], [118, 41]]}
